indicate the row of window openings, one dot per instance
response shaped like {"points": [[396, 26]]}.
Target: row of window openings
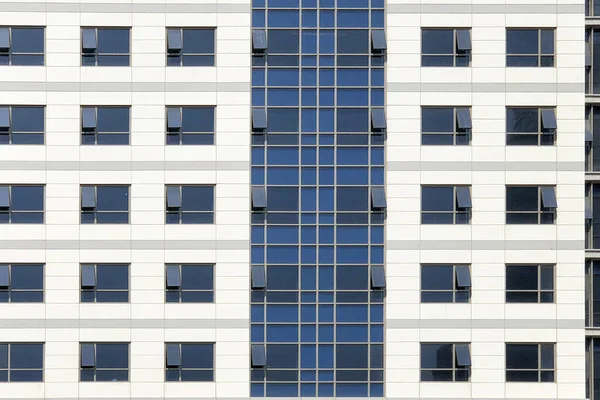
{"points": [[108, 362], [196, 46], [440, 283], [105, 204], [196, 125], [108, 46], [108, 283], [190, 204], [439, 204], [525, 362], [529, 47]]}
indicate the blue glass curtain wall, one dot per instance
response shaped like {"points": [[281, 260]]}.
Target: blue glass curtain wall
{"points": [[319, 318]]}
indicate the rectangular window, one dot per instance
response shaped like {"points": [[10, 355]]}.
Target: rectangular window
{"points": [[189, 362], [592, 216], [22, 124], [191, 47], [104, 362], [445, 283], [22, 45], [21, 283], [445, 205], [531, 126], [21, 362], [104, 283], [445, 362], [592, 138], [105, 125], [189, 283], [530, 47], [530, 284], [104, 204], [445, 126], [530, 205], [191, 125], [592, 293], [529, 362], [105, 47], [190, 204], [445, 47], [20, 204], [592, 61]]}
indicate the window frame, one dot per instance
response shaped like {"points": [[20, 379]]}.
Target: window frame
{"points": [[456, 211], [540, 211], [95, 54], [8, 369], [94, 290], [95, 133], [540, 56], [539, 291], [180, 290], [456, 289], [179, 132], [94, 211], [9, 290], [539, 369], [180, 369], [590, 302], [541, 134], [455, 367], [180, 212], [8, 211], [456, 133], [9, 53], [181, 54], [95, 369], [456, 54], [10, 132]]}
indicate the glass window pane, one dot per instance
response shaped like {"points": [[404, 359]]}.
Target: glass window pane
{"points": [[197, 198], [27, 198], [522, 120], [27, 119], [27, 40], [437, 120], [113, 119], [198, 41], [112, 277], [437, 277], [437, 41], [197, 277], [522, 41], [112, 198], [436, 355], [521, 198], [521, 356], [27, 277], [437, 198], [197, 355], [112, 355], [522, 277], [113, 41], [23, 356]]}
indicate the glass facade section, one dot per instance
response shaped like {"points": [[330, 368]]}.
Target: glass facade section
{"points": [[318, 318]]}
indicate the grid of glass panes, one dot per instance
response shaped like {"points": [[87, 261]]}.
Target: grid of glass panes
{"points": [[321, 322]]}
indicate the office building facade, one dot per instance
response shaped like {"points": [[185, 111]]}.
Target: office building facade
{"points": [[299, 198]]}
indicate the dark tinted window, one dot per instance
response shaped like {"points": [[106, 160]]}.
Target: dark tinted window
{"points": [[592, 293], [24, 125], [439, 206], [524, 206], [190, 47], [21, 204], [25, 46], [107, 204], [529, 47], [196, 205], [105, 46], [110, 283], [104, 362], [189, 362], [529, 362], [525, 127], [529, 284], [439, 284], [25, 283], [439, 363], [190, 283], [196, 125], [440, 48], [111, 125], [440, 126], [21, 362]]}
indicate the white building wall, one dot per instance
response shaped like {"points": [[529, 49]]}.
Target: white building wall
{"points": [[488, 165], [147, 165]]}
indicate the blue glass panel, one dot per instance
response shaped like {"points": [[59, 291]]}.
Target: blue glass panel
{"points": [[283, 41], [352, 333], [326, 199], [309, 77], [352, 41], [309, 98], [282, 254], [282, 156], [309, 19], [309, 278], [283, 3], [282, 120], [353, 18], [353, 97], [283, 77], [326, 18], [282, 333], [326, 97], [326, 120], [282, 313], [377, 77], [325, 333], [258, 97], [352, 313], [326, 314], [282, 234], [325, 356], [352, 77], [309, 254], [309, 333], [325, 257], [308, 390], [309, 235], [377, 19], [308, 355], [376, 333], [309, 199], [353, 120], [326, 41], [308, 313], [325, 278], [353, 3], [353, 176], [283, 97], [326, 77], [257, 333], [258, 19], [309, 176], [283, 18]]}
